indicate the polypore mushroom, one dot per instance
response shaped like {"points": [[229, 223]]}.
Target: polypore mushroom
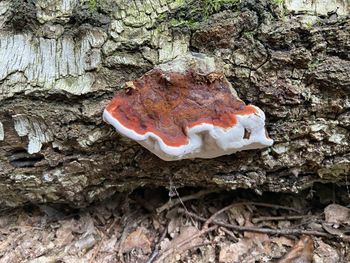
{"points": [[187, 109]]}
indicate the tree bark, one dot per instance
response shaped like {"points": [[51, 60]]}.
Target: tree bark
{"points": [[62, 60]]}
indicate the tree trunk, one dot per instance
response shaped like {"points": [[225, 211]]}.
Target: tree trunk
{"points": [[61, 61]]}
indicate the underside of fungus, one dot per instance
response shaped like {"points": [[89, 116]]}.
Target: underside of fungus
{"points": [[187, 109]]}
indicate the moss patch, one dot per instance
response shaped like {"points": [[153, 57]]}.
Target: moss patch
{"points": [[193, 13], [277, 2], [93, 5]]}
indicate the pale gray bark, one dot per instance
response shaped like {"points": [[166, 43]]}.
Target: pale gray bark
{"points": [[62, 60]]}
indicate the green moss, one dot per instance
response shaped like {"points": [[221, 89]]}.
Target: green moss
{"points": [[309, 24], [248, 34], [193, 12], [314, 64], [184, 23], [93, 5], [277, 2], [177, 3], [214, 6]]}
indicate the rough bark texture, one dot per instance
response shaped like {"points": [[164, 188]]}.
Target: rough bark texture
{"points": [[62, 60]]}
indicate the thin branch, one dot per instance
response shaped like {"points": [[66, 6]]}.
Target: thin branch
{"points": [[246, 203], [231, 234], [258, 229], [97, 250], [156, 248], [276, 218], [175, 202], [182, 203], [269, 205]]}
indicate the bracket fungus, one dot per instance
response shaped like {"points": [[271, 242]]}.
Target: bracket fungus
{"points": [[187, 109]]}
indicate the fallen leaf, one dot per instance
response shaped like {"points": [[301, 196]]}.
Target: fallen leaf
{"points": [[337, 214], [136, 239], [109, 245], [282, 241], [260, 239], [324, 253], [234, 252], [238, 213], [302, 252], [64, 234], [209, 254], [242, 251], [178, 244], [174, 222], [186, 233], [156, 224]]}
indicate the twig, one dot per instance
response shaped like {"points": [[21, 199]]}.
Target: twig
{"points": [[121, 243], [153, 256], [212, 217], [96, 251], [335, 232], [276, 218], [174, 202], [231, 234], [246, 203], [268, 205], [258, 229], [109, 229], [182, 203], [156, 247]]}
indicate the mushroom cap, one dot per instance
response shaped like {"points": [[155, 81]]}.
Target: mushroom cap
{"points": [[187, 109]]}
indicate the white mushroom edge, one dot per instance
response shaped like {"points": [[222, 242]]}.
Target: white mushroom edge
{"points": [[204, 140]]}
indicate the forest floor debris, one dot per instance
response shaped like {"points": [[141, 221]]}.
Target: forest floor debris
{"points": [[204, 226]]}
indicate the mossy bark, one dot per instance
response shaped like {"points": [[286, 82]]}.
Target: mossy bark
{"points": [[61, 62]]}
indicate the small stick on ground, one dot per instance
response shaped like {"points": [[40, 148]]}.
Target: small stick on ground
{"points": [[230, 233], [174, 202], [276, 218], [156, 247], [210, 219], [257, 229], [268, 205], [92, 259]]}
